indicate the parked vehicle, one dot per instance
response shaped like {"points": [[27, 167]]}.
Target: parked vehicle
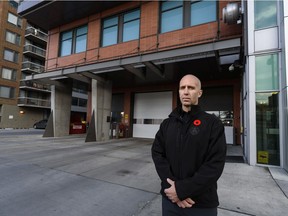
{"points": [[77, 128], [40, 124]]}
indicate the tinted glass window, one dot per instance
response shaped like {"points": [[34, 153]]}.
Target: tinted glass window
{"points": [[81, 39], [171, 16], [203, 12], [265, 14], [131, 26], [66, 43], [121, 28], [73, 41], [267, 72], [267, 128], [110, 31]]}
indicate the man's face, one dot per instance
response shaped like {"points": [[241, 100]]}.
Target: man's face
{"points": [[189, 91]]}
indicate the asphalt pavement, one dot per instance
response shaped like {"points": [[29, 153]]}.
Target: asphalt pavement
{"points": [[68, 177]]}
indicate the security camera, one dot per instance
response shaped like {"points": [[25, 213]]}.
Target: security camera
{"points": [[231, 67]]}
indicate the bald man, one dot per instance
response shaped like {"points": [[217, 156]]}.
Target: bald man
{"points": [[189, 153]]}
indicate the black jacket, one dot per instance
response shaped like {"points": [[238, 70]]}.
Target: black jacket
{"points": [[190, 148]]}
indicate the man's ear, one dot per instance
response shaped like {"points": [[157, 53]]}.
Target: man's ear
{"points": [[200, 93]]}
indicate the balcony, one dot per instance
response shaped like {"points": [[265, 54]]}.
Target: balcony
{"points": [[34, 102], [30, 67], [34, 52], [36, 35], [33, 86]]}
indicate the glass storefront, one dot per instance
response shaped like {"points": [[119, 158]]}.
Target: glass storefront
{"points": [[267, 128], [267, 109]]}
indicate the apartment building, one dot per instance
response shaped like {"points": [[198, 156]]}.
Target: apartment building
{"points": [[132, 54], [11, 43], [22, 48]]}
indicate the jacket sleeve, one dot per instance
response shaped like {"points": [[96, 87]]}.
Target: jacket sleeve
{"points": [[159, 157], [210, 170]]}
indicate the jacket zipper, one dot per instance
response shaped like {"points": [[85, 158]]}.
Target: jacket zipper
{"points": [[180, 152]]}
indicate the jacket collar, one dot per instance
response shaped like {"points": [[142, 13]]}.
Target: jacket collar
{"points": [[178, 112], [194, 110]]}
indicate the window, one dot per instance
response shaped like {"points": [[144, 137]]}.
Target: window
{"points": [[131, 26], [121, 28], [82, 102], [15, 20], [267, 72], [79, 102], [203, 12], [73, 41], [13, 38], [267, 109], [7, 73], [110, 31], [172, 16], [66, 43], [74, 101], [179, 14], [11, 55], [14, 3], [7, 92], [267, 128], [81, 39], [265, 14]]}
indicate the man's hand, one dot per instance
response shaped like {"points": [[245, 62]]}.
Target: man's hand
{"points": [[171, 192], [187, 203], [172, 195]]}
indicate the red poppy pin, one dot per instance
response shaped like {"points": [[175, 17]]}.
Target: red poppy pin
{"points": [[197, 122]]}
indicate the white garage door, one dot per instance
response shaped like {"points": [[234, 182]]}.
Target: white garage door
{"points": [[150, 109]]}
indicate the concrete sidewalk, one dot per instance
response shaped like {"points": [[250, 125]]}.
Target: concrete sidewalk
{"points": [[65, 176]]}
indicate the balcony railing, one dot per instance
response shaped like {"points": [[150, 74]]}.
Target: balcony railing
{"points": [[34, 51], [35, 86], [32, 67], [34, 34], [34, 102]]}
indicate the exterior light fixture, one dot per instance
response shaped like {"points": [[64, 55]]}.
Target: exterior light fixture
{"points": [[232, 13]]}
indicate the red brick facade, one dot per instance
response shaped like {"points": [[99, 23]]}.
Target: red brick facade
{"points": [[150, 38]]}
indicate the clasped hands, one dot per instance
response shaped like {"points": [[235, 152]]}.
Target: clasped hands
{"points": [[172, 195]]}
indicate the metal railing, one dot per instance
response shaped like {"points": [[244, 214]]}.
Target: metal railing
{"points": [[32, 67], [34, 102], [36, 50], [31, 84], [36, 33]]}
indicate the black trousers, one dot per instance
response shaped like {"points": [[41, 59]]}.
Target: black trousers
{"points": [[172, 209]]}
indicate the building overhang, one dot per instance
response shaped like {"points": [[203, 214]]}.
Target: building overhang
{"points": [[228, 50], [51, 14]]}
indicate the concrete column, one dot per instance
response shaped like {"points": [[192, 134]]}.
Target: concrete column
{"points": [[61, 98], [101, 105]]}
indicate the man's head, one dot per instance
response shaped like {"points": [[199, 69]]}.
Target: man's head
{"points": [[189, 91]]}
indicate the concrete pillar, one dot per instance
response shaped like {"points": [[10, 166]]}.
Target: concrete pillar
{"points": [[101, 105], [61, 98]]}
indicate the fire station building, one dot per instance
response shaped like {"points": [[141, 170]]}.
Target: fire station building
{"points": [[130, 55]]}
